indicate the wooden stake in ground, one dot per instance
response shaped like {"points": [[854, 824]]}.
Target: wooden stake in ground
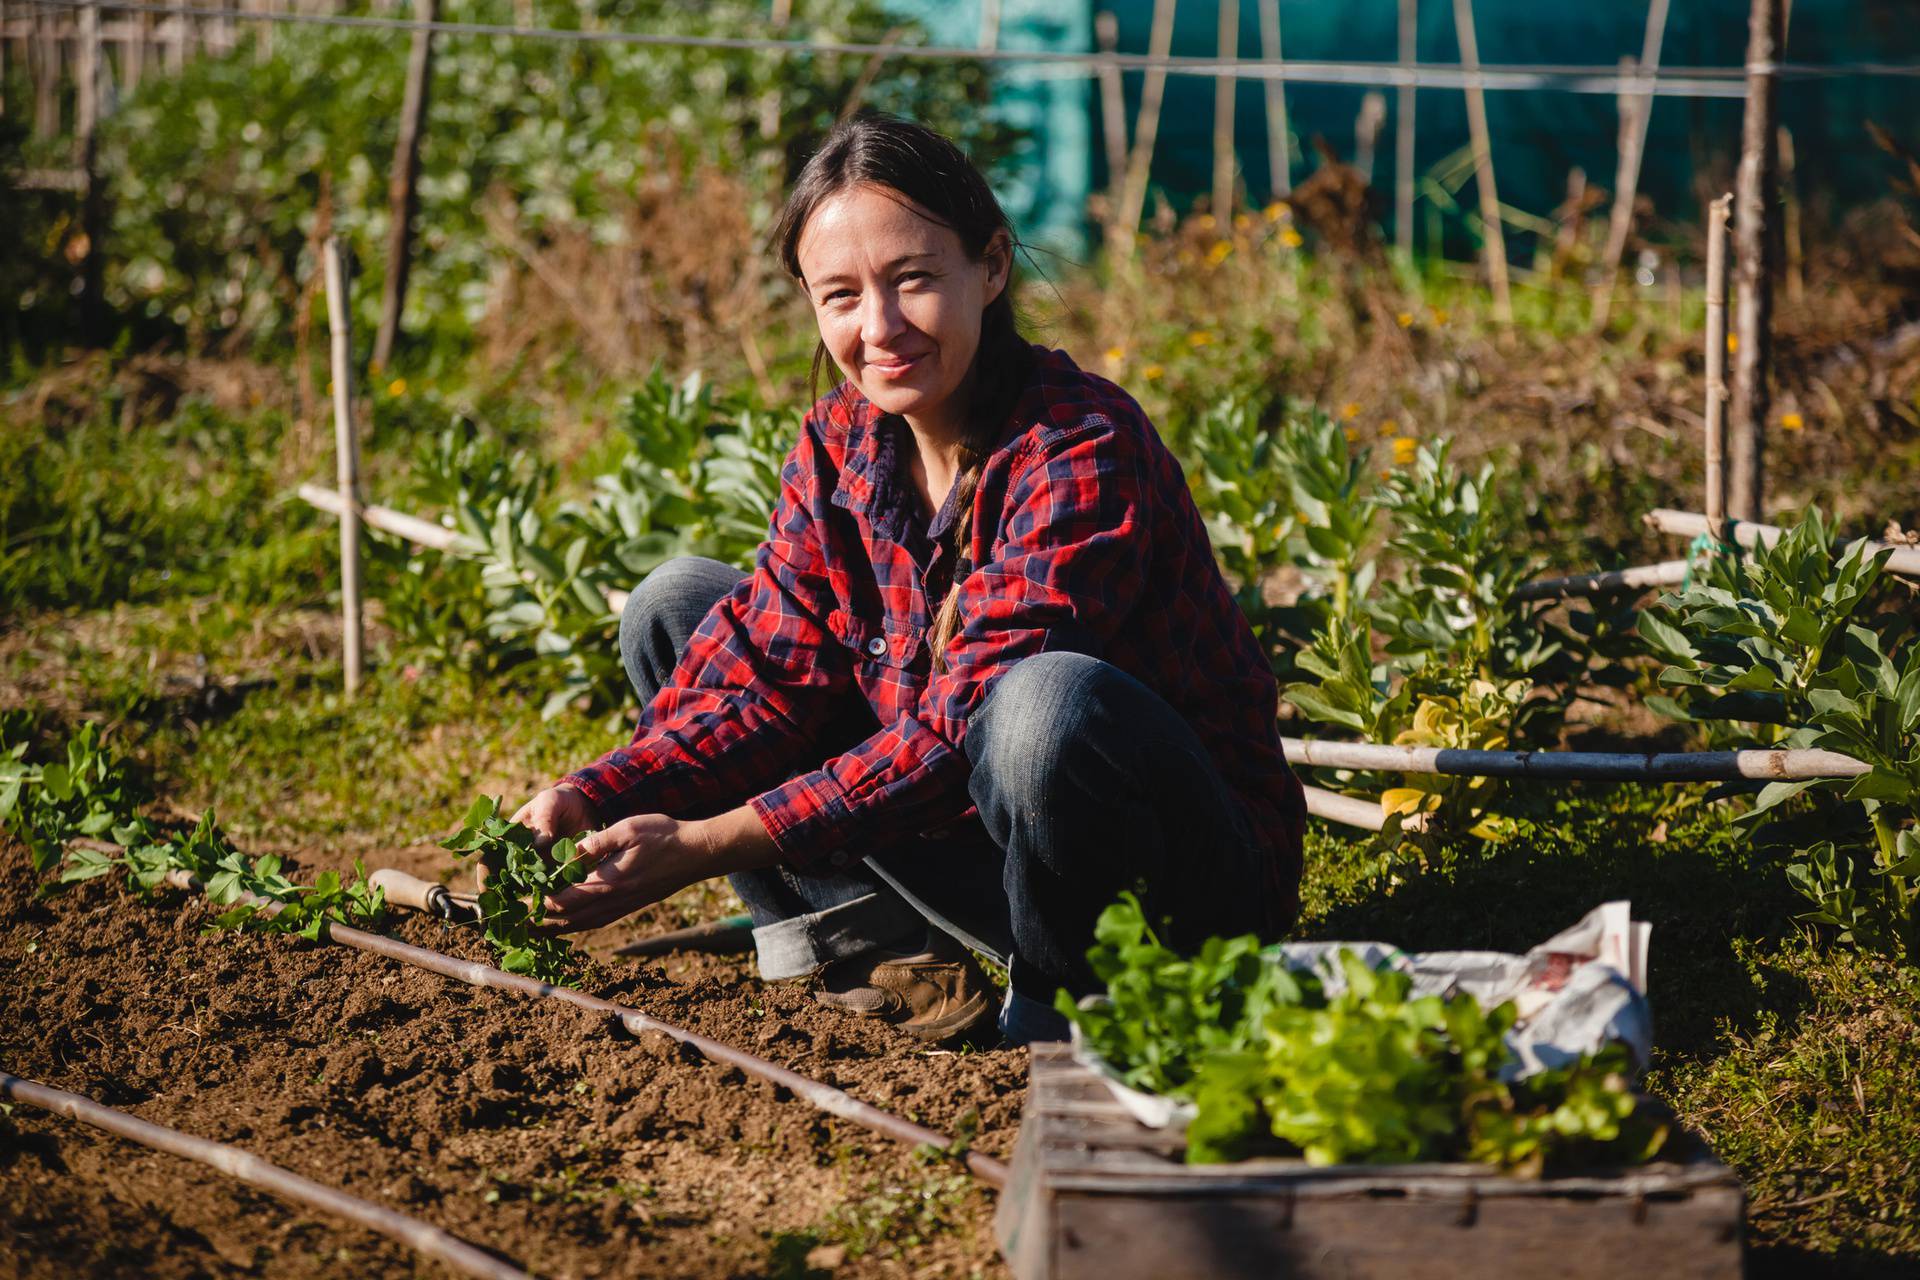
{"points": [[1496, 239], [1790, 223], [1753, 253], [1366, 132], [989, 25], [1716, 426], [1403, 130], [1224, 87], [401, 199], [89, 80], [1153, 92], [347, 449], [1279, 146], [1113, 104], [1626, 182]]}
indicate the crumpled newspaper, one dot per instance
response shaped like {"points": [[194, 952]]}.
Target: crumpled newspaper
{"points": [[1579, 991]]}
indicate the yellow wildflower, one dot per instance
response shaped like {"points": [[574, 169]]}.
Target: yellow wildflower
{"points": [[1439, 315], [1406, 319], [1350, 410], [1291, 238], [1206, 221], [1792, 422], [1199, 338], [1152, 372], [1733, 342], [1218, 254], [1403, 447], [1388, 427], [1275, 211], [398, 387], [1241, 222], [1351, 433]]}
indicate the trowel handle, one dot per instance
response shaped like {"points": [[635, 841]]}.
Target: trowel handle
{"points": [[411, 891]]}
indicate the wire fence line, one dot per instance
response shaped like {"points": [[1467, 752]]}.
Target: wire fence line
{"points": [[1683, 82]]}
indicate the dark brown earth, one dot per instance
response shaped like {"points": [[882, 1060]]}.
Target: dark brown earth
{"points": [[525, 1126]]}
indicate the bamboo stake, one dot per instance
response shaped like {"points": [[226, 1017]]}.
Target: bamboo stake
{"points": [[1905, 560], [1403, 149], [1140, 162], [347, 451], [1754, 259], [93, 201], [1366, 132], [1496, 238], [1790, 222], [1224, 86], [420, 532], [429, 1241], [1716, 426], [1626, 183], [989, 25], [1668, 573], [1279, 144], [402, 202], [1602, 766], [6, 54], [1353, 811], [824, 1097], [1113, 105], [46, 76]]}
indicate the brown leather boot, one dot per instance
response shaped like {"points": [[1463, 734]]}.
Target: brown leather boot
{"points": [[935, 994]]}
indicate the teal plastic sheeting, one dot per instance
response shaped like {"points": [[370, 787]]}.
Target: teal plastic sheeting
{"points": [[1538, 136]]}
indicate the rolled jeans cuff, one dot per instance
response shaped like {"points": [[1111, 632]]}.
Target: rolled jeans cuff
{"points": [[797, 946]]}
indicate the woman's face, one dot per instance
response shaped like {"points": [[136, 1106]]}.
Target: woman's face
{"points": [[898, 301]]}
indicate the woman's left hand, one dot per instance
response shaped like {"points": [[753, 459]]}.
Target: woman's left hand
{"points": [[636, 862]]}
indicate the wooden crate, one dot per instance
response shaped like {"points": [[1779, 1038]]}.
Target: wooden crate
{"points": [[1094, 1195]]}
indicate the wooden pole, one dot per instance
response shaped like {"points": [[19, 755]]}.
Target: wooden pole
{"points": [[93, 198], [402, 200], [46, 75], [6, 55], [1790, 223], [422, 1238], [1403, 130], [347, 450], [1279, 143], [1753, 252], [1113, 106], [1633, 136], [1904, 561], [1224, 87], [1598, 766], [1716, 426], [989, 25], [1140, 161], [1496, 239], [1668, 573], [1366, 132]]}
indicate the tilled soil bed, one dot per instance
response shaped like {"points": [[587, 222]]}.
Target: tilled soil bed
{"points": [[527, 1127]]}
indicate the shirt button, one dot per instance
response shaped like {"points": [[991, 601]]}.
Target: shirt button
{"points": [[877, 647]]}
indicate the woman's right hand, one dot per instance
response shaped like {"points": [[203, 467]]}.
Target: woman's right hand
{"points": [[554, 814]]}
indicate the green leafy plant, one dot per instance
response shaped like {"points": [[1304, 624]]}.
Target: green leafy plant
{"points": [[89, 794], [84, 793], [1785, 648], [513, 903], [1363, 1072]]}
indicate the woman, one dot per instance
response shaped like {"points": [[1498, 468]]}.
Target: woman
{"points": [[985, 673]]}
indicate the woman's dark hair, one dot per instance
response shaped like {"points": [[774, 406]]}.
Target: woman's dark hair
{"points": [[874, 149]]}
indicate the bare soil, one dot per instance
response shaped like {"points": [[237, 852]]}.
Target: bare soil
{"points": [[524, 1126]]}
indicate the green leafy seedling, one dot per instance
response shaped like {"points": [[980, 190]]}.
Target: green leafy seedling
{"points": [[513, 904]]}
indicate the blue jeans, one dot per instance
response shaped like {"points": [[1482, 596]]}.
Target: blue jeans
{"points": [[1086, 783]]}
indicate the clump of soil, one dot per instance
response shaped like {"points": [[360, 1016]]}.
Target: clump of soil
{"points": [[525, 1126]]}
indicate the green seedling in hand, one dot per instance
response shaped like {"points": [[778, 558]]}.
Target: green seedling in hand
{"points": [[520, 877]]}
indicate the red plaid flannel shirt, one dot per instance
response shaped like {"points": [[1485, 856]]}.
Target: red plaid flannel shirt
{"points": [[1084, 537]]}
